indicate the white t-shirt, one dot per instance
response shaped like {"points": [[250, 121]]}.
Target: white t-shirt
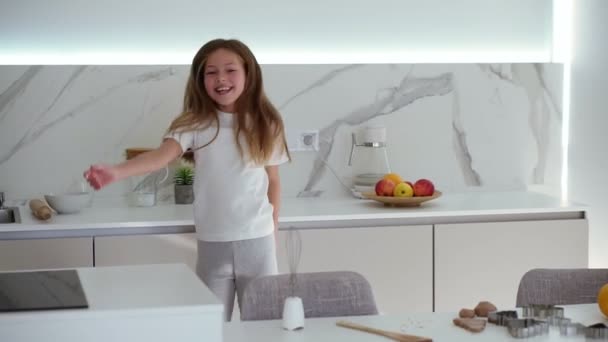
{"points": [[230, 194]]}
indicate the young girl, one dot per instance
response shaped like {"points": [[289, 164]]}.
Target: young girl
{"points": [[238, 141]]}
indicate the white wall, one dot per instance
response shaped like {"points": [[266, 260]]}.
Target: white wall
{"points": [[465, 126], [589, 122], [313, 31]]}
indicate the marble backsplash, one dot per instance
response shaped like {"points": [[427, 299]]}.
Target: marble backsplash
{"points": [[467, 127]]}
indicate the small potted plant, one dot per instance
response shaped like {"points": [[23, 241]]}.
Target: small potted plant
{"points": [[183, 179]]}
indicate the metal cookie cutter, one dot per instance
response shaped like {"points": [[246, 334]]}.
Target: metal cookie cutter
{"points": [[501, 317], [542, 311], [597, 331], [572, 329], [558, 321], [527, 327]]}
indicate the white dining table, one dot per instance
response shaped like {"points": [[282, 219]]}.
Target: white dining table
{"points": [[438, 326]]}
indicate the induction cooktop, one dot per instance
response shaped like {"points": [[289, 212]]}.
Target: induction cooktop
{"points": [[41, 290]]}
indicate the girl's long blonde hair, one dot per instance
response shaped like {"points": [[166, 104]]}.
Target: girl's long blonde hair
{"points": [[256, 118]]}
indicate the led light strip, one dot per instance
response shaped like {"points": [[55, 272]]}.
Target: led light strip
{"points": [[95, 58], [271, 56], [562, 53]]}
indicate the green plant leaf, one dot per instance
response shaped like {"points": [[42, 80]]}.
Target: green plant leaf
{"points": [[184, 175]]}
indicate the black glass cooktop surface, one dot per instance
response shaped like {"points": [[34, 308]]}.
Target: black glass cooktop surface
{"points": [[41, 290]]}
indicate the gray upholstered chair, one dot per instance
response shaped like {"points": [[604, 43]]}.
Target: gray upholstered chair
{"points": [[561, 286], [324, 294]]}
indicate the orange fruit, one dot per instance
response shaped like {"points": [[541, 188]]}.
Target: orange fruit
{"points": [[602, 300], [393, 177]]}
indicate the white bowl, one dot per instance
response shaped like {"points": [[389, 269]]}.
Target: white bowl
{"points": [[69, 203]]}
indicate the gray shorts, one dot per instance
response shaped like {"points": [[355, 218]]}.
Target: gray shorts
{"points": [[226, 267]]}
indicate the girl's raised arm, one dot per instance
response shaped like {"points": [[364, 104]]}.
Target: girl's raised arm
{"points": [[100, 175]]}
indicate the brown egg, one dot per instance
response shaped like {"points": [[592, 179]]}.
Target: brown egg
{"points": [[471, 324], [483, 308], [466, 313]]}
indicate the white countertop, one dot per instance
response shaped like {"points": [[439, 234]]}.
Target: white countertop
{"points": [[106, 218], [437, 326], [163, 302], [161, 288]]}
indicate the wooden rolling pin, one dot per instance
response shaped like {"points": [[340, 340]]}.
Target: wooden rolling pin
{"points": [[40, 209], [390, 334]]}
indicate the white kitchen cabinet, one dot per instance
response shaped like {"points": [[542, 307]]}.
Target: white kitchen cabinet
{"points": [[485, 261], [45, 254], [396, 260], [146, 249]]}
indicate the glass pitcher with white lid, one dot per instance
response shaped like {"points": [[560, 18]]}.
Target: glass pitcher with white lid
{"points": [[368, 158], [144, 188]]}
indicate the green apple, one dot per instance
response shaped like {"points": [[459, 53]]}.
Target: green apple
{"points": [[403, 189]]}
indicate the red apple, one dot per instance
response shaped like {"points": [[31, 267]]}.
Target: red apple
{"points": [[385, 187], [424, 187]]}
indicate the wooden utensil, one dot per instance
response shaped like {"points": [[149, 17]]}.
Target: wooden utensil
{"points": [[390, 334], [40, 209]]}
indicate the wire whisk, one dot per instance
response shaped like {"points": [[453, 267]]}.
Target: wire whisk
{"points": [[293, 245]]}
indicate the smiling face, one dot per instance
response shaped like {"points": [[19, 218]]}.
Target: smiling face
{"points": [[224, 78]]}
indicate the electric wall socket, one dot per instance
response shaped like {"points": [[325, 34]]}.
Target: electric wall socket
{"points": [[304, 140]]}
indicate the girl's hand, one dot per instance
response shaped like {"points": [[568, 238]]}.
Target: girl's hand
{"points": [[101, 175]]}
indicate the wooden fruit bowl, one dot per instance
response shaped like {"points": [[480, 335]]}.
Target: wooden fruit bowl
{"points": [[401, 201]]}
